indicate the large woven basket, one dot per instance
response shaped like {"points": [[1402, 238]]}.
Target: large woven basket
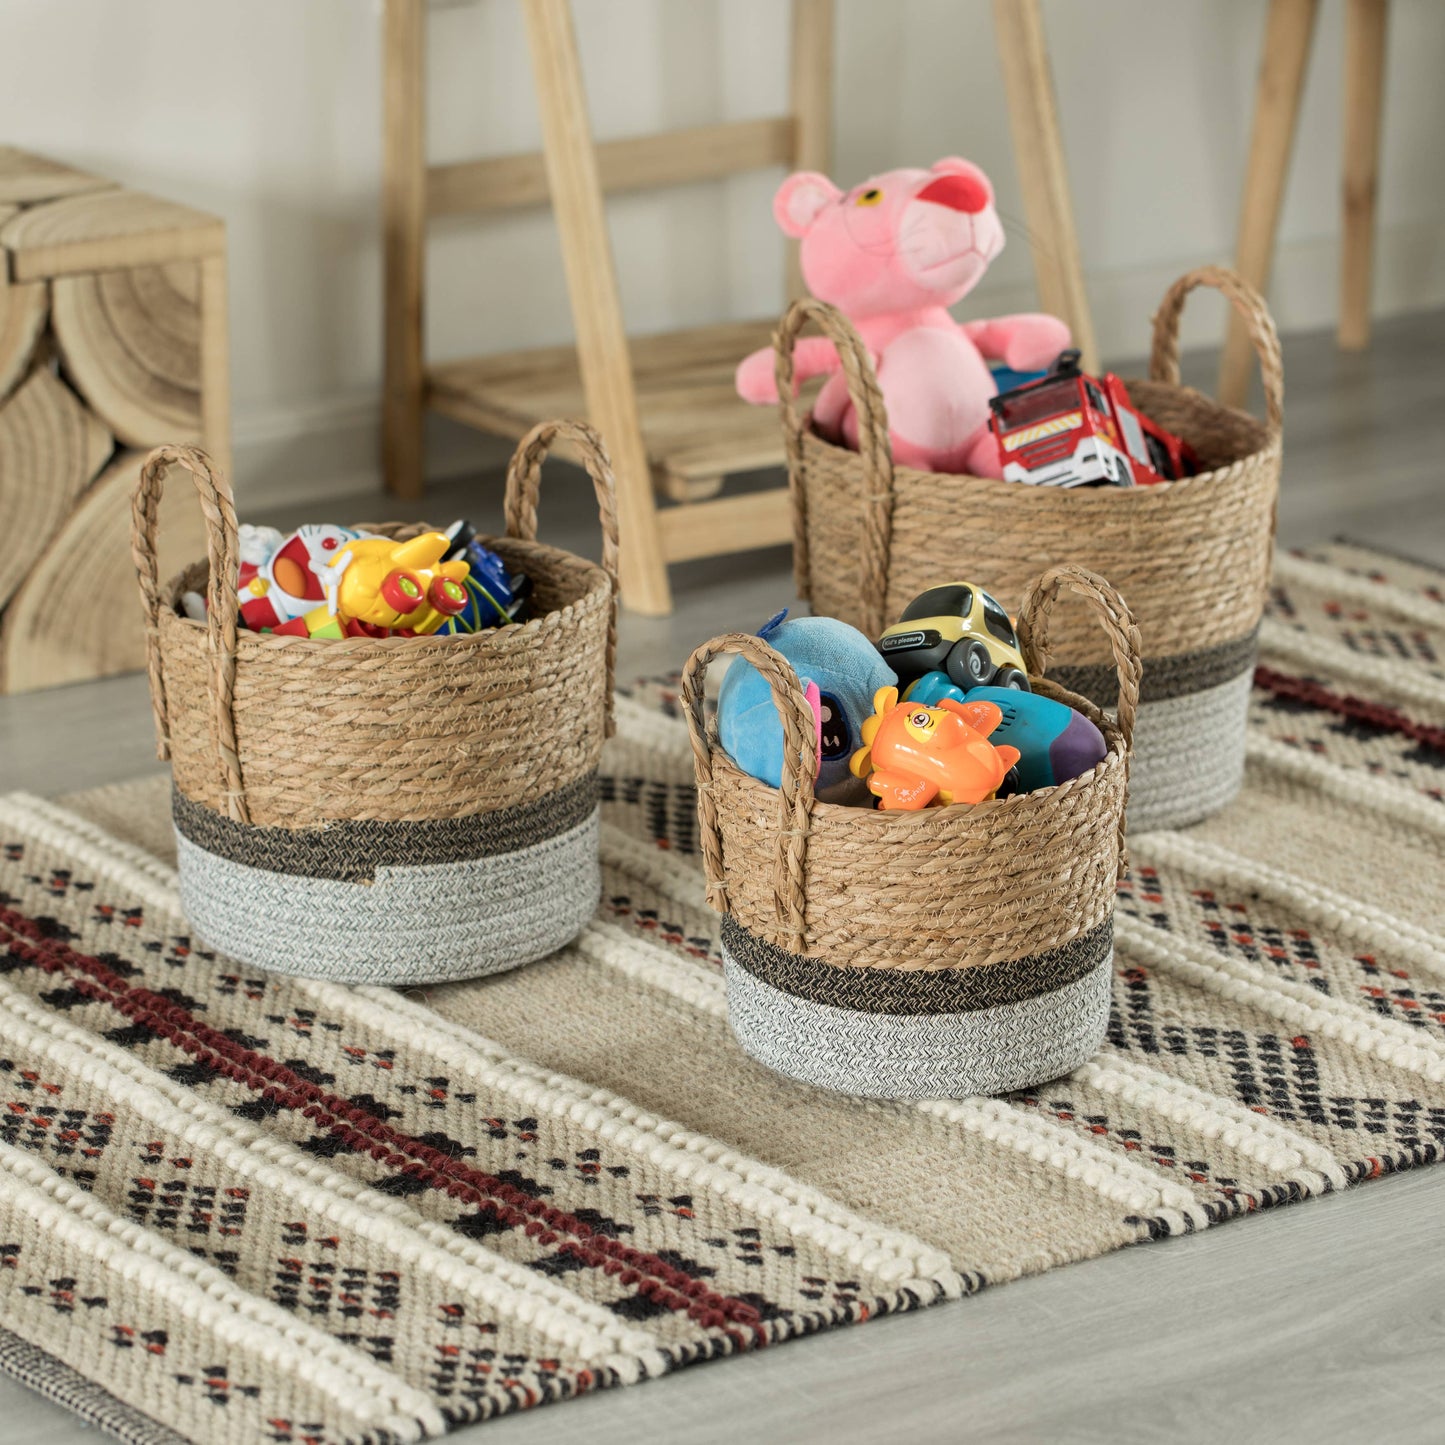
{"points": [[1191, 557], [932, 954], [401, 810]]}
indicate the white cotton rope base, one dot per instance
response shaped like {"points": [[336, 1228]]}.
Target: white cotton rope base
{"points": [[433, 923], [1188, 759], [921, 1056]]}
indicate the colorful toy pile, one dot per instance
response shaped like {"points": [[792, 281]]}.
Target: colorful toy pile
{"points": [[893, 254], [329, 581], [966, 726]]}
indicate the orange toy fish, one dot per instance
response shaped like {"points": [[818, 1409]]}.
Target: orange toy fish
{"points": [[913, 756]]}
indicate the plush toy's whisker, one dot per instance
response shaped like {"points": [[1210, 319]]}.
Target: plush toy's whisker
{"points": [[1017, 226]]}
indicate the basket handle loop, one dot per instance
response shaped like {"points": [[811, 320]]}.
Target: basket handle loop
{"points": [[873, 446], [222, 603], [1117, 622], [800, 767], [524, 476], [1164, 355]]}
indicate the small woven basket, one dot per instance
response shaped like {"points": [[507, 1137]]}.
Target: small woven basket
{"points": [[1191, 557], [397, 810], [932, 954]]}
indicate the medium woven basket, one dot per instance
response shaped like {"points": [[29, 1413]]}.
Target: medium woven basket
{"points": [[398, 810], [932, 954], [1191, 557]]}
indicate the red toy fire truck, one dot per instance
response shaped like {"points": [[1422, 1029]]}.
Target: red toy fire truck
{"points": [[1068, 429]]}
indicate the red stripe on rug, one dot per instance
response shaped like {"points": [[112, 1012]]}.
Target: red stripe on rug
{"points": [[645, 1273], [1358, 709]]}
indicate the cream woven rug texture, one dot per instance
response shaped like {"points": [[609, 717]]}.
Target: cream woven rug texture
{"points": [[235, 1207]]}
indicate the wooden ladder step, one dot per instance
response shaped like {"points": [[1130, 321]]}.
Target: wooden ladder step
{"points": [[695, 427]]}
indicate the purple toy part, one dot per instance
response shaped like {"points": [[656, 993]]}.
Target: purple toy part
{"points": [[1077, 749]]}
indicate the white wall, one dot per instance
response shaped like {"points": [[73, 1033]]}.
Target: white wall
{"points": [[267, 112]]}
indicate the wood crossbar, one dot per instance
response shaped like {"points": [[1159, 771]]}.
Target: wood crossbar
{"points": [[637, 163]]}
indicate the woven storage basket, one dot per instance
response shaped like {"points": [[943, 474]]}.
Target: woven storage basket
{"points": [[932, 954], [1191, 557], [400, 810]]}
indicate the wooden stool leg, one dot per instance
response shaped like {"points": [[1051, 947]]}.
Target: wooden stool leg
{"points": [[1034, 120], [1287, 36], [403, 218], [679, 488], [811, 103], [602, 350], [1364, 100]]}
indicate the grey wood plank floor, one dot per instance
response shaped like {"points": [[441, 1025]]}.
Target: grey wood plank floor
{"points": [[1321, 1322]]}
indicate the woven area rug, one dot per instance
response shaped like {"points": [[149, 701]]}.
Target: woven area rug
{"points": [[239, 1208]]}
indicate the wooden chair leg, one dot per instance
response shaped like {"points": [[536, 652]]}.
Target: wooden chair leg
{"points": [[811, 103], [403, 216], [1364, 101], [216, 363], [1287, 35], [602, 350], [1034, 121]]}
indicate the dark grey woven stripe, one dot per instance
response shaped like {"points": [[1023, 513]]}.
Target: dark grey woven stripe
{"points": [[64, 1386], [352, 851], [916, 991], [1164, 677]]}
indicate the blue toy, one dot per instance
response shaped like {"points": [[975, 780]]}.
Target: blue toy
{"points": [[1007, 379], [847, 670], [495, 597], [933, 687], [1054, 741]]}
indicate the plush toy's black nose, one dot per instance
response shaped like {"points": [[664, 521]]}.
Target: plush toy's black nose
{"points": [[957, 191]]}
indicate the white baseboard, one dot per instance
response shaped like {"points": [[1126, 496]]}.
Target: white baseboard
{"points": [[328, 449]]}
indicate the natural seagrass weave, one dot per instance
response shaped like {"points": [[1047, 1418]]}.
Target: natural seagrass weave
{"points": [[294, 731], [1191, 557], [941, 888], [393, 810]]}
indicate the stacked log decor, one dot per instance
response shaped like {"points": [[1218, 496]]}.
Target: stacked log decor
{"points": [[112, 340]]}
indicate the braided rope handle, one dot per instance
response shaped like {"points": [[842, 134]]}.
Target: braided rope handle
{"points": [[873, 447], [1118, 623], [222, 603], [524, 479], [800, 767], [1164, 354]]}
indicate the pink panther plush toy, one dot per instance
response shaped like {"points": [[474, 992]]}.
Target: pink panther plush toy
{"points": [[893, 254]]}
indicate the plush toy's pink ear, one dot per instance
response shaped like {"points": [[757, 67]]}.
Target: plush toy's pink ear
{"points": [[957, 166], [800, 198]]}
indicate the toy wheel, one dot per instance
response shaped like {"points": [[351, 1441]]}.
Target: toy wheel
{"points": [[969, 665], [1011, 677]]}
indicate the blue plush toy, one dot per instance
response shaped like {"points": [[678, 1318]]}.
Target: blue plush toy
{"points": [[847, 670]]}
